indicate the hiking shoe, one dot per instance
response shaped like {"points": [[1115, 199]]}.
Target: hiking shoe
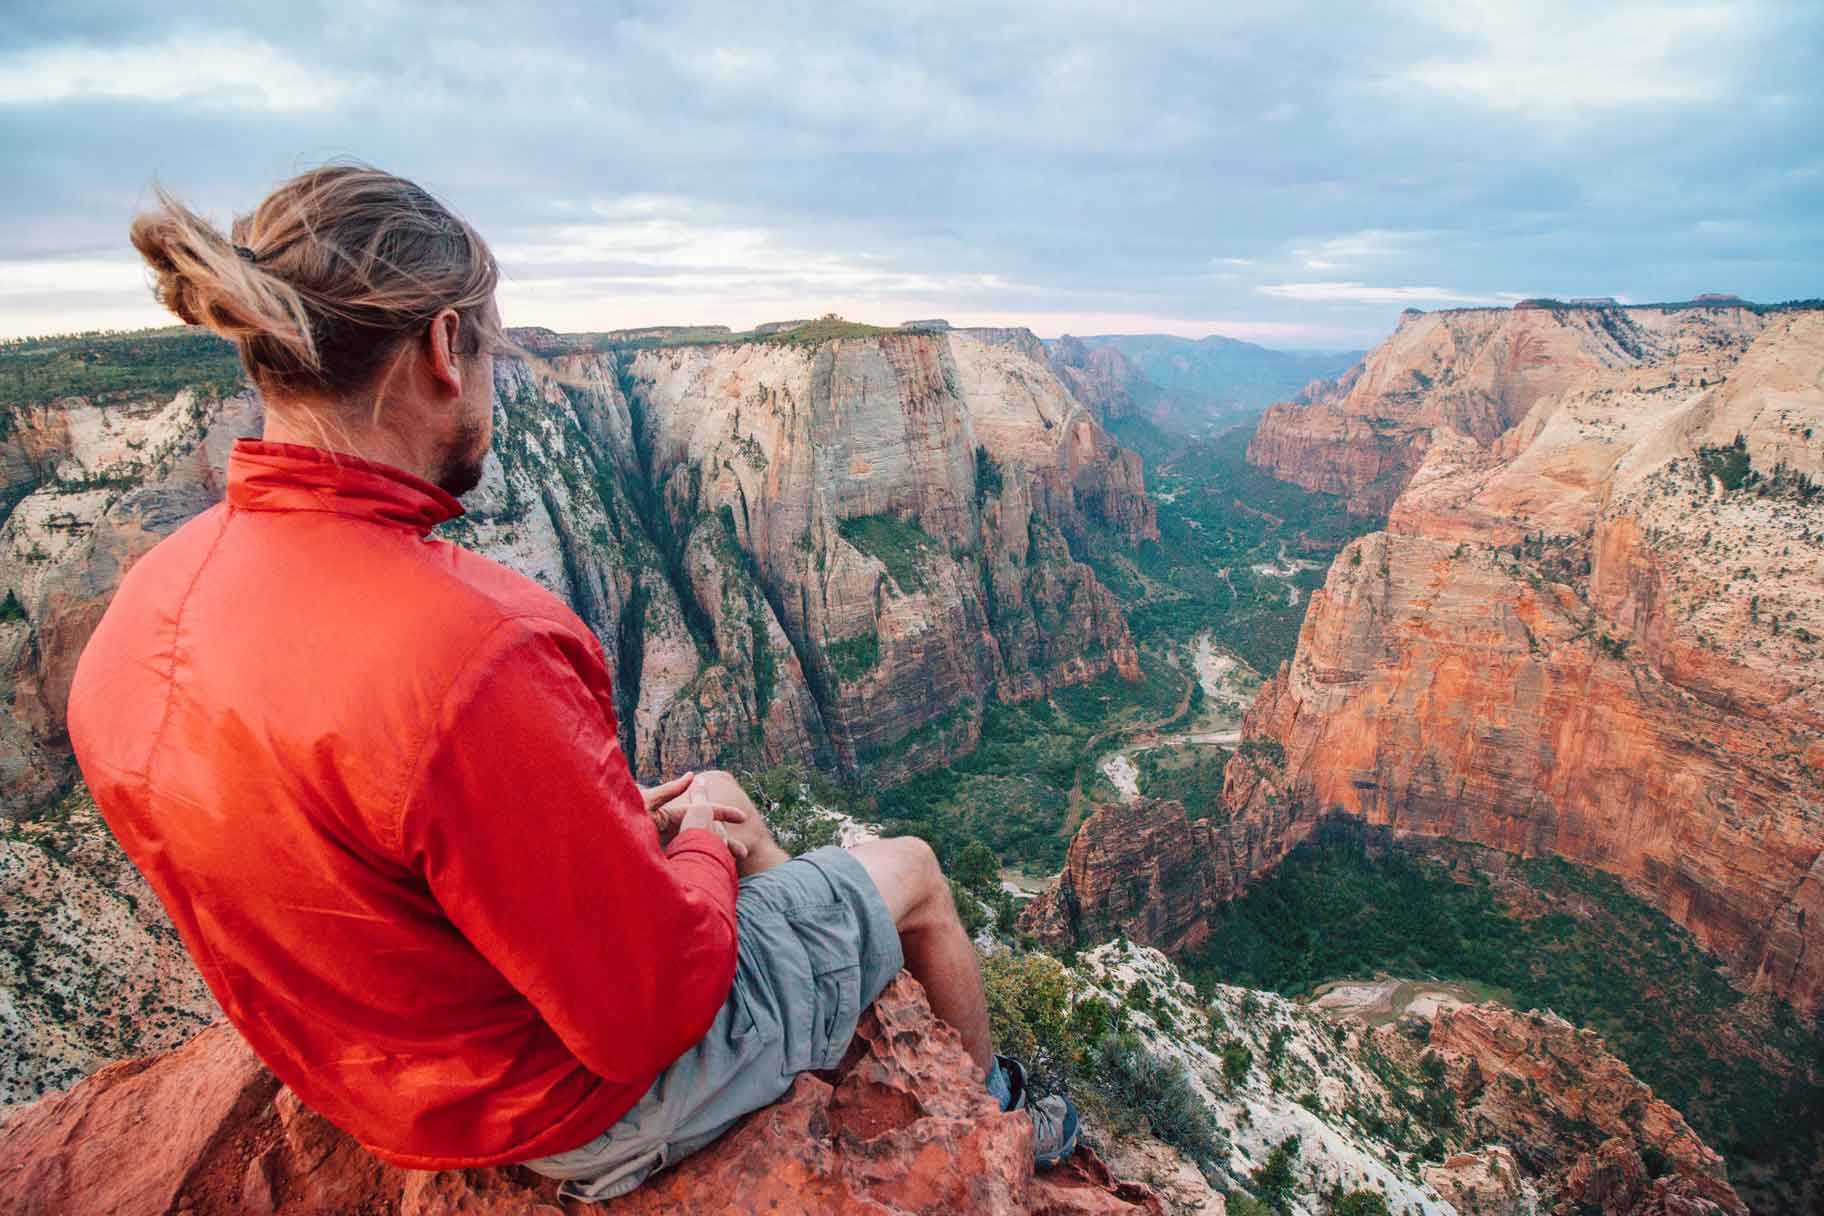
{"points": [[1054, 1129], [1054, 1119]]}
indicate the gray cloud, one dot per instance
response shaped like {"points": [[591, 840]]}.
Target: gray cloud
{"points": [[1295, 173]]}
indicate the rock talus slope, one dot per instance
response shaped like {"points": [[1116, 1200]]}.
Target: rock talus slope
{"points": [[901, 1128], [1598, 633], [1467, 1108], [1522, 1078]]}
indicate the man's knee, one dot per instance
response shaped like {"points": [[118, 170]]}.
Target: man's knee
{"points": [[752, 833], [723, 789], [910, 880]]}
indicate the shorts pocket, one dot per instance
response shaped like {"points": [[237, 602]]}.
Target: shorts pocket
{"points": [[824, 1011], [838, 1009]]}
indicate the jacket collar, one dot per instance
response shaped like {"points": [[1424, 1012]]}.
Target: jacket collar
{"points": [[265, 476]]}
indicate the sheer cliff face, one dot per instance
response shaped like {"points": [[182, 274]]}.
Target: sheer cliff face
{"points": [[911, 577], [1474, 373], [788, 551], [1598, 635]]}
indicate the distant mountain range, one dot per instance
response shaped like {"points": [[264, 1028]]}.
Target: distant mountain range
{"points": [[1190, 385]]}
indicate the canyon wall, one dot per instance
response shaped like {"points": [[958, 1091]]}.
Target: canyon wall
{"points": [[1144, 871], [903, 508], [1594, 625]]}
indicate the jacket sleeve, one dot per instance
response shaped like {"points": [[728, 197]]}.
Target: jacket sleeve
{"points": [[525, 822]]}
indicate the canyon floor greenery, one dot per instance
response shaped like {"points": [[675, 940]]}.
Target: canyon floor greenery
{"points": [[1239, 552]]}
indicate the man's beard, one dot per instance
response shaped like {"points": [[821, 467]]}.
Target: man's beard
{"points": [[459, 471]]}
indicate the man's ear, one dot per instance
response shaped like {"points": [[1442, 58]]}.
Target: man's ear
{"points": [[440, 351]]}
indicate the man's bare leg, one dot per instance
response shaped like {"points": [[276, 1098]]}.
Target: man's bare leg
{"points": [[939, 953], [763, 852]]}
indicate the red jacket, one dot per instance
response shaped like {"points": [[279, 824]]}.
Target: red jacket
{"points": [[374, 778]]}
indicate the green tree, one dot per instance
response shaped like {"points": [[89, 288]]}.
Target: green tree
{"points": [[978, 869], [1158, 1089], [1029, 1010], [798, 823], [1275, 1182], [1236, 1060], [1360, 1203], [11, 609]]}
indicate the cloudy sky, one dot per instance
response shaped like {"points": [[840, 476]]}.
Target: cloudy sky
{"points": [[1290, 173]]}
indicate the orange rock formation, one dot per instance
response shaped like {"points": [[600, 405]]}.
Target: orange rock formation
{"points": [[1594, 626]]}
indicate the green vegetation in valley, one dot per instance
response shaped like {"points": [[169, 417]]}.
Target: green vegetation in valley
{"points": [[1743, 1072], [1224, 517], [1219, 518], [1191, 774], [107, 367], [1733, 470], [900, 546], [1728, 465], [1013, 790]]}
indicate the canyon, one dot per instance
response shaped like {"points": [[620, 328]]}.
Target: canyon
{"points": [[1591, 627]]}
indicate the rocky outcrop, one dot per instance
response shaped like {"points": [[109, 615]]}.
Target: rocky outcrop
{"points": [[1105, 380], [1475, 373], [89, 489], [90, 967], [902, 1126], [1487, 1182], [905, 505], [1578, 1121], [1597, 634], [1142, 870]]}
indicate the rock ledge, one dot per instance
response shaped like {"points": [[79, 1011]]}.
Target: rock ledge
{"points": [[901, 1127]]}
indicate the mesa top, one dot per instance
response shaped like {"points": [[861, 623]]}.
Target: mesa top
{"points": [[375, 780]]}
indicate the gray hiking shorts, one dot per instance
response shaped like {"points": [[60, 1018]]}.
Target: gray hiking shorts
{"points": [[816, 946]]}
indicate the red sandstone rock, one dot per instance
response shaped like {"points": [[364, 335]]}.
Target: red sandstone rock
{"points": [[1138, 869], [902, 1127], [1141, 869]]}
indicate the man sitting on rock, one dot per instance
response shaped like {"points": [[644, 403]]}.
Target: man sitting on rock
{"points": [[376, 779]]}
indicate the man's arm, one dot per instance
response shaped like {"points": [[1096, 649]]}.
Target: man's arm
{"points": [[525, 821]]}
